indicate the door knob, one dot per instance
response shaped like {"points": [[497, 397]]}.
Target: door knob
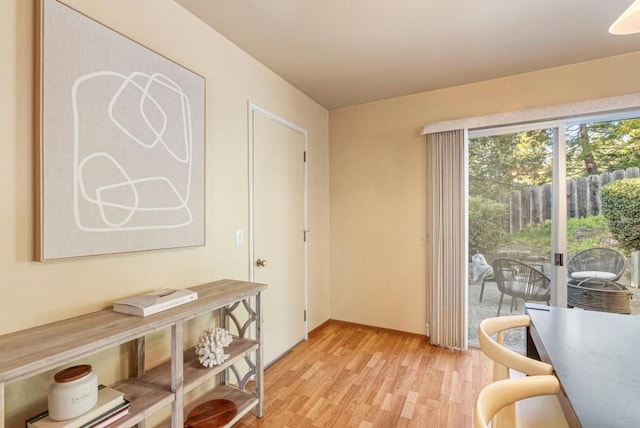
{"points": [[261, 263]]}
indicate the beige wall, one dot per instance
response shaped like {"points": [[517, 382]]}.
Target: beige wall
{"points": [[33, 293], [378, 181], [377, 192]]}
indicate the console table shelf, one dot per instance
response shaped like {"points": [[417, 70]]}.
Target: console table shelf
{"points": [[29, 352]]}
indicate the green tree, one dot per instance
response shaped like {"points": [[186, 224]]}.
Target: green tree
{"points": [[598, 147], [501, 163]]}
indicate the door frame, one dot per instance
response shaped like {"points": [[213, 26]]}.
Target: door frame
{"points": [[253, 109]]}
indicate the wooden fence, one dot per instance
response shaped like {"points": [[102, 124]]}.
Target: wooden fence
{"points": [[533, 204]]}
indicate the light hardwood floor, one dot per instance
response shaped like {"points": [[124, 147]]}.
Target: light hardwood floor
{"points": [[348, 375]]}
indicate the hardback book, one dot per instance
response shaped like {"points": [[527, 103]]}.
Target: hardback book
{"points": [[108, 399], [105, 423], [110, 416], [157, 301], [111, 419]]}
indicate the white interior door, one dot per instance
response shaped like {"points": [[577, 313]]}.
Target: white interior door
{"points": [[278, 247]]}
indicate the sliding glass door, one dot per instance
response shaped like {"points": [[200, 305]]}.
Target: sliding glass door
{"points": [[544, 211]]}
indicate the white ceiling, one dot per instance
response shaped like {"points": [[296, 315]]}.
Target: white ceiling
{"points": [[346, 52]]}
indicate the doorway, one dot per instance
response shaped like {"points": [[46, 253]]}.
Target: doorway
{"points": [[278, 225]]}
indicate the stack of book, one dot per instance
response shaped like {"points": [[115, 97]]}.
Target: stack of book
{"points": [[110, 407]]}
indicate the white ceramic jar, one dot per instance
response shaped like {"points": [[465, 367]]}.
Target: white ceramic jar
{"points": [[73, 392]]}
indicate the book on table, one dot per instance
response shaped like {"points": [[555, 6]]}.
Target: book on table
{"points": [[156, 301], [110, 402], [111, 420], [109, 417]]}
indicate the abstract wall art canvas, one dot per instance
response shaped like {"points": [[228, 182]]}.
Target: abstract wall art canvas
{"points": [[120, 143]]}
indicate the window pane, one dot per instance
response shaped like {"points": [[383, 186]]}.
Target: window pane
{"points": [[510, 205]]}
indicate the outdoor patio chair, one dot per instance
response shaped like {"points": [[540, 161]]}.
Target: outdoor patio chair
{"points": [[488, 278], [520, 281], [482, 272], [599, 263]]}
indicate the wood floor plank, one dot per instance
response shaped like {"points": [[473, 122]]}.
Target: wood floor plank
{"points": [[347, 375]]}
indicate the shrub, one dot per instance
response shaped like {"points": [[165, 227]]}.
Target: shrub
{"points": [[621, 208], [487, 219]]}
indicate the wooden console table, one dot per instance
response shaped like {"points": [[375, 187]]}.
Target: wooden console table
{"points": [[29, 352]]}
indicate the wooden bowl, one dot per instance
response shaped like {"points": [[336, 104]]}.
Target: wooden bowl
{"points": [[211, 414]]}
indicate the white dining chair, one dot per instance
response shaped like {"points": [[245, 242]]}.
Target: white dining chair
{"points": [[542, 411], [498, 395]]}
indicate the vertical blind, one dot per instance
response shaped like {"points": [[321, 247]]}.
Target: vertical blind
{"points": [[448, 239]]}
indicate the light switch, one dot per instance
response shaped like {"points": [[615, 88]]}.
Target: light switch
{"points": [[239, 237]]}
